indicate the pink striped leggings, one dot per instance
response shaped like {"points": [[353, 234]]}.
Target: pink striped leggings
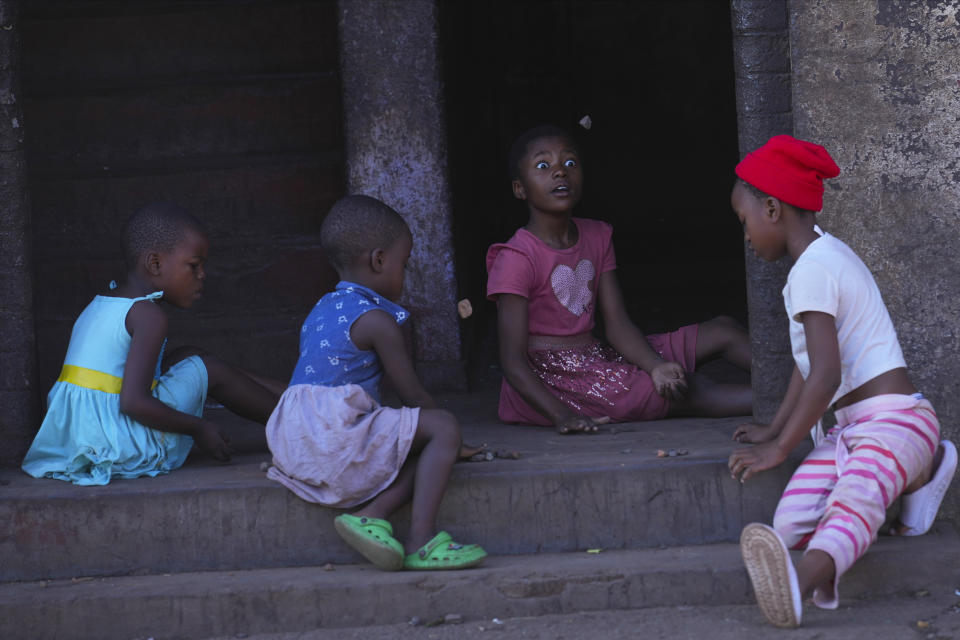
{"points": [[837, 499]]}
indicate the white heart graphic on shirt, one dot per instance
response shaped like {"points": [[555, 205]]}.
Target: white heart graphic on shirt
{"points": [[572, 286]]}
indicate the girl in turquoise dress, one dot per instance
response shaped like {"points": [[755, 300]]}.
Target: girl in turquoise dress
{"points": [[114, 411]]}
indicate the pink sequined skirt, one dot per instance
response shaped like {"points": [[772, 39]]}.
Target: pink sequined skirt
{"points": [[594, 380]]}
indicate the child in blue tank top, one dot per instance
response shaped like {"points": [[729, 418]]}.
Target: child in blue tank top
{"points": [[332, 441], [115, 411]]}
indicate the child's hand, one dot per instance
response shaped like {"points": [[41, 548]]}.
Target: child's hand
{"points": [[669, 380], [579, 424], [745, 463], [753, 433], [212, 440], [467, 451]]}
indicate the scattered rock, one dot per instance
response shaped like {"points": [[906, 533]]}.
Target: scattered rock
{"points": [[672, 453], [328, 567], [453, 618], [488, 456], [414, 621]]}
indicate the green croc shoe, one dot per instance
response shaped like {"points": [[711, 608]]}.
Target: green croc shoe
{"points": [[373, 539], [443, 553]]}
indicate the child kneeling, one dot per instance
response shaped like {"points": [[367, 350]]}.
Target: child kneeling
{"points": [[332, 441], [847, 355]]}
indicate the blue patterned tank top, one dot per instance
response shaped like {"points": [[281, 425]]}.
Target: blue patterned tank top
{"points": [[328, 356]]}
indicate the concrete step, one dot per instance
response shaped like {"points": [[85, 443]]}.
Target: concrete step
{"points": [[566, 493], [930, 615], [239, 603]]}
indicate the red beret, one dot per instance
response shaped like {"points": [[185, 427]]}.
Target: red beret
{"points": [[791, 170]]}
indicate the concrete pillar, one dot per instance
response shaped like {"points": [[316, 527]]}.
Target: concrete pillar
{"points": [[877, 84], [762, 67], [19, 407], [396, 146]]}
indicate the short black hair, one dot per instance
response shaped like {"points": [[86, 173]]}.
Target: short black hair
{"points": [[357, 224], [752, 190], [521, 145], [159, 226]]}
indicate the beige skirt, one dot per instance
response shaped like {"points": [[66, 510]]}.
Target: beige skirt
{"points": [[337, 446]]}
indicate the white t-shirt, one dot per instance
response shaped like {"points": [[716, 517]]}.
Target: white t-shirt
{"points": [[829, 277]]}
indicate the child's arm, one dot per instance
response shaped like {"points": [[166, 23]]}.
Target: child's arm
{"points": [[812, 400], [513, 332], [624, 336], [147, 325], [378, 330], [754, 433]]}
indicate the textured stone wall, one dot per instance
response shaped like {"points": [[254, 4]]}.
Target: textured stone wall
{"points": [[230, 109], [397, 151], [878, 83], [18, 390], [762, 66]]}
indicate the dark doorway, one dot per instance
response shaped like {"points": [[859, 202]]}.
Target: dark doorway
{"points": [[656, 78]]}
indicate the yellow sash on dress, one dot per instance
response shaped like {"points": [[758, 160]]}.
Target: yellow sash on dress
{"points": [[92, 379]]}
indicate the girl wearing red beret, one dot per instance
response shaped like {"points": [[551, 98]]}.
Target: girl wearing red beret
{"points": [[847, 355], [548, 280]]}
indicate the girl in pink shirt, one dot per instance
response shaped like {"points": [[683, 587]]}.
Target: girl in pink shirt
{"points": [[547, 281]]}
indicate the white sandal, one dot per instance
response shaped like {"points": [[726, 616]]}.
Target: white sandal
{"points": [[919, 509], [772, 574]]}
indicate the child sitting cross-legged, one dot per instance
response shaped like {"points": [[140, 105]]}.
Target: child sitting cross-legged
{"points": [[120, 408], [551, 277], [847, 355], [332, 441]]}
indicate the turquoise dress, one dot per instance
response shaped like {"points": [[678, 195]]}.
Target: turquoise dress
{"points": [[84, 438]]}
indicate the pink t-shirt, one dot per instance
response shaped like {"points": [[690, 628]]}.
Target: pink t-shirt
{"points": [[560, 285]]}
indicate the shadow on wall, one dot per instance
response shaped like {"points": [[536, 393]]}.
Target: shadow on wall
{"points": [[230, 109]]}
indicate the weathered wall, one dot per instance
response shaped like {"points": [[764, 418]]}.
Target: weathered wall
{"points": [[878, 83], [232, 110], [761, 60], [396, 141], [18, 389]]}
